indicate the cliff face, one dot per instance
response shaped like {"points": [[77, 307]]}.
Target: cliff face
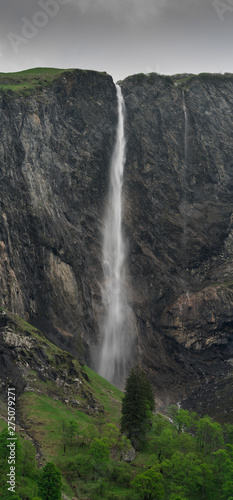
{"points": [[56, 146], [179, 181]]}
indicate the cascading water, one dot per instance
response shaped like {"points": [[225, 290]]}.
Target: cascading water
{"points": [[115, 324], [185, 206], [185, 132], [185, 173]]}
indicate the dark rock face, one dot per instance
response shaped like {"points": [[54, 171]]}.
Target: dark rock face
{"points": [[178, 214], [55, 154]]}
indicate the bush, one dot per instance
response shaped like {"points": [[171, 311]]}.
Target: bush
{"points": [[117, 470], [124, 479], [97, 488], [80, 468], [112, 496]]}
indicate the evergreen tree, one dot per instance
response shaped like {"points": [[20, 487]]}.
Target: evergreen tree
{"points": [[50, 483], [137, 405]]}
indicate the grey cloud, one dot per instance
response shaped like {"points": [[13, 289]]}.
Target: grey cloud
{"points": [[136, 10], [121, 36]]}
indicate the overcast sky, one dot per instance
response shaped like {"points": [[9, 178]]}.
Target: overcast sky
{"points": [[121, 37]]}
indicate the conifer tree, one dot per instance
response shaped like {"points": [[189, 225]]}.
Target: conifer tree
{"points": [[137, 405], [50, 483]]}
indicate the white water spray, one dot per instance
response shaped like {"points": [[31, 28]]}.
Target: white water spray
{"points": [[115, 325], [185, 131], [184, 238]]}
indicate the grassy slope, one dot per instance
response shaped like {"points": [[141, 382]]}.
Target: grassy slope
{"points": [[43, 407], [41, 410], [42, 415]]}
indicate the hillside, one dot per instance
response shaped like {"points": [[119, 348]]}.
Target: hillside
{"points": [[67, 414]]}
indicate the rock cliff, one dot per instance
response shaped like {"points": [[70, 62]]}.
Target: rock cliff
{"points": [[178, 184], [56, 146]]}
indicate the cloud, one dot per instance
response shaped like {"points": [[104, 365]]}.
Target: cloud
{"points": [[120, 10], [138, 11]]}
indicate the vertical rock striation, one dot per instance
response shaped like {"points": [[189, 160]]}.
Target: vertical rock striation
{"points": [[56, 146], [179, 218]]}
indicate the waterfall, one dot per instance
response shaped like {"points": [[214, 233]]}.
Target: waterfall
{"points": [[185, 131], [184, 175], [185, 206], [115, 324]]}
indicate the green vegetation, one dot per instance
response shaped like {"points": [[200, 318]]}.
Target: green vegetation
{"points": [[25, 82], [50, 483], [188, 459], [137, 406], [78, 425]]}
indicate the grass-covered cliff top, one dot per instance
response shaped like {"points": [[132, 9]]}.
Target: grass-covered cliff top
{"points": [[35, 79], [26, 81]]}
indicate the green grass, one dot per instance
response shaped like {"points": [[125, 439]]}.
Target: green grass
{"points": [[43, 415], [3, 425], [33, 80], [108, 395], [24, 82], [43, 418]]}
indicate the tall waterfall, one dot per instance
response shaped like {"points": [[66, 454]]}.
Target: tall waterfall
{"points": [[115, 324], [185, 181], [185, 132]]}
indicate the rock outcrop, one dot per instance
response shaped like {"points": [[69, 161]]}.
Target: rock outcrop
{"points": [[56, 146], [30, 363]]}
